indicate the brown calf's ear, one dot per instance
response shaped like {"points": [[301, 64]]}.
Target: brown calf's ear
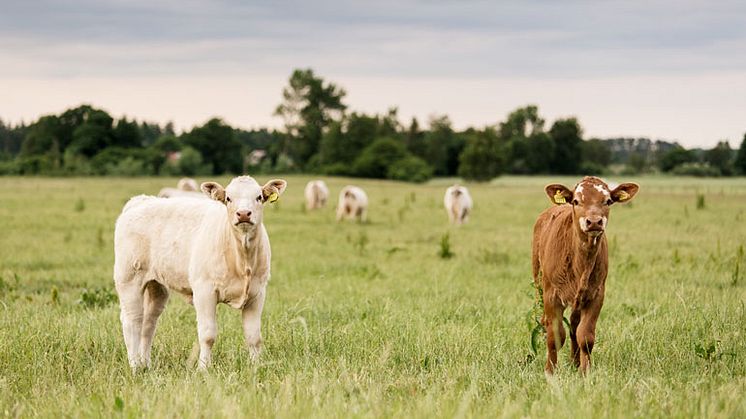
{"points": [[214, 191], [558, 194], [272, 190], [624, 192]]}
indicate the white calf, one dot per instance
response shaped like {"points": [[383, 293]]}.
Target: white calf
{"points": [[316, 194], [353, 203], [212, 251], [458, 204]]}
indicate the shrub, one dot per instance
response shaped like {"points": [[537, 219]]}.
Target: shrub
{"points": [[99, 297], [591, 168], [130, 166], [191, 163], [410, 169], [695, 169], [337, 169]]}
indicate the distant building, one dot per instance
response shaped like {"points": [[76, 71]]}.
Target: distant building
{"points": [[173, 156]]}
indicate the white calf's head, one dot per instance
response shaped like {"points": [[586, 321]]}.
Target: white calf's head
{"points": [[244, 199]]}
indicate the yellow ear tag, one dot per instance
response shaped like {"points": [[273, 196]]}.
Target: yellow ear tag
{"points": [[273, 197], [559, 198], [623, 195]]}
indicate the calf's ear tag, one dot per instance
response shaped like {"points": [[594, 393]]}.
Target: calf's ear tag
{"points": [[559, 198], [623, 195], [273, 197]]}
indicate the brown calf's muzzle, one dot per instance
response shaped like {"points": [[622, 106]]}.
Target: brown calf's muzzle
{"points": [[594, 223]]}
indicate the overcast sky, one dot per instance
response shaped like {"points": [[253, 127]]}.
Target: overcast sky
{"points": [[672, 70]]}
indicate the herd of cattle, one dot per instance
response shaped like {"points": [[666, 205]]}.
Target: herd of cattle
{"points": [[208, 243]]}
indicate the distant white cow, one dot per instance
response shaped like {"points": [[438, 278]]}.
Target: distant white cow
{"points": [[187, 184], [174, 193], [458, 204], [185, 187], [316, 194], [353, 203], [212, 251]]}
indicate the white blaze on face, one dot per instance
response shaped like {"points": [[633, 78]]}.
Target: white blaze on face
{"points": [[603, 190], [579, 193], [583, 224]]}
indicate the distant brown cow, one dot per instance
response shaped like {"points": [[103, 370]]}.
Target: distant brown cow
{"points": [[570, 262]]}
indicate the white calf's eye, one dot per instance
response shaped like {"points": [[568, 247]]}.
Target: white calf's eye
{"points": [[227, 199], [258, 198]]}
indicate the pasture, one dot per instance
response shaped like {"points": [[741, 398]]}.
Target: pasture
{"points": [[370, 321]]}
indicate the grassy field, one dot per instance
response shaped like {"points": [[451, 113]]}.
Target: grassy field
{"points": [[369, 321]]}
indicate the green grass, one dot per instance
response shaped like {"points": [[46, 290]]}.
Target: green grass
{"points": [[369, 320]]}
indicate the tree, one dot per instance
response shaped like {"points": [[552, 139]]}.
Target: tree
{"points": [[596, 151], [442, 147], [414, 138], [674, 157], [40, 136], [309, 106], [566, 134], [94, 134], [539, 153], [522, 122], [721, 158], [482, 158], [218, 145], [740, 162], [126, 134], [375, 160]]}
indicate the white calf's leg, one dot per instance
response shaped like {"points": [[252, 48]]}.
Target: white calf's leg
{"points": [[252, 324], [205, 303], [155, 299], [131, 305]]}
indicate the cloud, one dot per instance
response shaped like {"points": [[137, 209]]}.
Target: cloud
{"points": [[649, 66], [406, 39]]}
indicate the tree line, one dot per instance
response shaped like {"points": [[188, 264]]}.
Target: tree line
{"points": [[321, 136]]}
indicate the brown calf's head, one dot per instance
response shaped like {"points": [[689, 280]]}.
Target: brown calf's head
{"points": [[244, 199], [591, 200]]}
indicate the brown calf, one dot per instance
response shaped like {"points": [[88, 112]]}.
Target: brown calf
{"points": [[570, 261]]}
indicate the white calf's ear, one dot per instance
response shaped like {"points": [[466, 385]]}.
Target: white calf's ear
{"points": [[624, 192], [214, 191], [558, 194], [272, 190]]}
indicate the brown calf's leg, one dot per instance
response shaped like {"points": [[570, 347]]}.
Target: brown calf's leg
{"points": [[555, 332], [586, 333], [574, 348]]}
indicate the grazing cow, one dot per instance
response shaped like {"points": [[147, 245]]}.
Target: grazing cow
{"points": [[353, 203], [458, 204], [316, 194], [212, 251], [185, 187], [570, 262], [187, 184]]}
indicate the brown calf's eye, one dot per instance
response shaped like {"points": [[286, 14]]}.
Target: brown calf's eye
{"points": [[575, 202], [609, 202]]}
